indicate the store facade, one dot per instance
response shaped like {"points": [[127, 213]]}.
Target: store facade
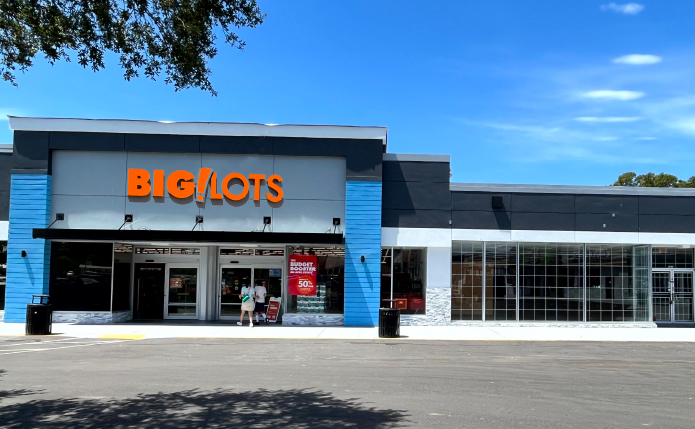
{"points": [[137, 220]]}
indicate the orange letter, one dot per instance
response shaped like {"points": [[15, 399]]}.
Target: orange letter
{"points": [[213, 188], [257, 185], [203, 177], [158, 184], [275, 187], [183, 179], [138, 182], [225, 187]]}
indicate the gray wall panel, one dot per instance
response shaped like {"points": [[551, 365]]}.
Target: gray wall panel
{"points": [[162, 143], [415, 218], [94, 212], [543, 221], [4, 205], [667, 205], [87, 141], [223, 216], [31, 150], [250, 145], [395, 171], [543, 203], [481, 220], [667, 223], [307, 216], [478, 201], [87, 173], [311, 178], [606, 204], [617, 223], [416, 195]]}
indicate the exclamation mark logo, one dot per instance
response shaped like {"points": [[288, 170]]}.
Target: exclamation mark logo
{"points": [[203, 179]]}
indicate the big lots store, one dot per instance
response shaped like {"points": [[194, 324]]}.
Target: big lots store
{"points": [[137, 220]]}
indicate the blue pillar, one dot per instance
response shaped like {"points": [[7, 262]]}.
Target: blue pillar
{"points": [[30, 206], [362, 238]]}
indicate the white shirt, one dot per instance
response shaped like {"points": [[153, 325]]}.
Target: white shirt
{"points": [[247, 290], [261, 292]]}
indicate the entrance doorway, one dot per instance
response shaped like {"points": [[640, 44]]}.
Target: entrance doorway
{"points": [[235, 276], [149, 291], [181, 291], [672, 295]]}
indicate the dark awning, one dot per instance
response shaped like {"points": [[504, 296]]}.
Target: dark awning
{"points": [[142, 235]]}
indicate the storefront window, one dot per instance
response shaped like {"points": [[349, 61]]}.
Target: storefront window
{"points": [[402, 279], [330, 285], [500, 281], [551, 282], [610, 293], [3, 272], [80, 278], [671, 257], [467, 281], [122, 258]]}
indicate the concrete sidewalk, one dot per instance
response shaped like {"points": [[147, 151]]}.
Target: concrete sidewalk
{"points": [[451, 333]]}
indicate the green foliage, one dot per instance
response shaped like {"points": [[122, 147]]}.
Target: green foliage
{"points": [[651, 180], [174, 37]]}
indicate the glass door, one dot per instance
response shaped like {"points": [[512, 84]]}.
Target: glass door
{"points": [[181, 291], [672, 293], [232, 279]]}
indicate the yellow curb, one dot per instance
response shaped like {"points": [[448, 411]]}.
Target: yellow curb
{"points": [[123, 336]]}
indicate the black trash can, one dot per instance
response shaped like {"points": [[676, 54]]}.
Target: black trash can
{"points": [[389, 323], [39, 316]]}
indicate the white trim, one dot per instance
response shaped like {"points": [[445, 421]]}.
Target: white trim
{"points": [[4, 228], [196, 128], [416, 237], [442, 237]]}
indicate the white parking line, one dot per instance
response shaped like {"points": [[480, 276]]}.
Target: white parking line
{"points": [[23, 343], [15, 351]]}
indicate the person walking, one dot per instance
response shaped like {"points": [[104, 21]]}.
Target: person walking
{"points": [[247, 304], [259, 297]]}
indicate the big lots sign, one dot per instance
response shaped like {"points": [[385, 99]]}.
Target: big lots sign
{"points": [[183, 184]]}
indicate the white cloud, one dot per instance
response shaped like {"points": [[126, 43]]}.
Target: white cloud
{"points": [[607, 119], [637, 59], [606, 94], [627, 9]]}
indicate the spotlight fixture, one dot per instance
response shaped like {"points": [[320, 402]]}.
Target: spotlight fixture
{"points": [[24, 253], [266, 220], [127, 219], [336, 221]]}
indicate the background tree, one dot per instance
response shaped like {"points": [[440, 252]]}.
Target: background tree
{"points": [[651, 180], [173, 37]]}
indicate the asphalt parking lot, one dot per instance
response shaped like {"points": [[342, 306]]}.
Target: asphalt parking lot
{"points": [[58, 382]]}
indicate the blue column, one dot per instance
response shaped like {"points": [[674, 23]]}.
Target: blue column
{"points": [[362, 238], [30, 206]]}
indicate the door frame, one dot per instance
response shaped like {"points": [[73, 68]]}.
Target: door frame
{"points": [[671, 294], [169, 265], [250, 264]]}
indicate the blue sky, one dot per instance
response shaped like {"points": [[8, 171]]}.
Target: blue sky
{"points": [[532, 91]]}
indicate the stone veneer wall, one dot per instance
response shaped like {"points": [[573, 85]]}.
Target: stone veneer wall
{"points": [[437, 309], [95, 318], [313, 319]]}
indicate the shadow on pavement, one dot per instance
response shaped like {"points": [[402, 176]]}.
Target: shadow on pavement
{"points": [[196, 409]]}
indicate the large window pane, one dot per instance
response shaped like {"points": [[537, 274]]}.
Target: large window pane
{"points": [[330, 282], [386, 262], [609, 294], [550, 282], [122, 257], [672, 257], [641, 283], [467, 281], [408, 279], [80, 278], [500, 281]]}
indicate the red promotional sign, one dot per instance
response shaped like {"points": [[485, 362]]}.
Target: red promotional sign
{"points": [[303, 274], [273, 309]]}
